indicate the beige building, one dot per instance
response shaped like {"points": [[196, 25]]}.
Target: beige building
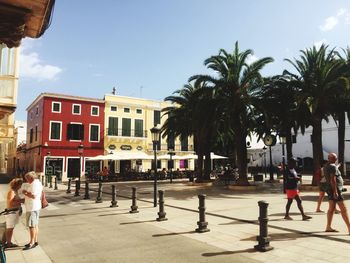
{"points": [[8, 99], [128, 122]]}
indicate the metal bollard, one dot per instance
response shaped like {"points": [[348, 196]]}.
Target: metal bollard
{"points": [[134, 206], [161, 213], [87, 195], [114, 197], [202, 224], [50, 180], [42, 179], [99, 193], [69, 183], [77, 188], [46, 178], [56, 187], [263, 240]]}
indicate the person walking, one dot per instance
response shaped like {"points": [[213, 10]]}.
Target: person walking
{"points": [[322, 185], [13, 202], [334, 192], [32, 202], [292, 190]]}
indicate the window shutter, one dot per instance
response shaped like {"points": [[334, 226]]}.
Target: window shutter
{"points": [[69, 131], [81, 132]]}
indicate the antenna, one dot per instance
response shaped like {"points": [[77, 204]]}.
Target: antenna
{"points": [[141, 91]]}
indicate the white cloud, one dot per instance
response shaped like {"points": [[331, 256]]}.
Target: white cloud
{"points": [[32, 67], [251, 59], [332, 21], [318, 44]]}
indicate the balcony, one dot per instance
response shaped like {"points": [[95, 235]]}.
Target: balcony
{"points": [[126, 133]]}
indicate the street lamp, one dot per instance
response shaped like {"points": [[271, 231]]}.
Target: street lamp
{"points": [[48, 169], [171, 153], [283, 141], [155, 131], [264, 151], [80, 151]]}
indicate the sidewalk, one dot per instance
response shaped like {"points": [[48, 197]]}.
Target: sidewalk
{"points": [[231, 215]]}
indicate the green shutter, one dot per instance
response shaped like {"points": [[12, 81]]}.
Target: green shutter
{"points": [[138, 128]]}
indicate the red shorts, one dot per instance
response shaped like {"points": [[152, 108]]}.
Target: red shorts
{"points": [[291, 193]]}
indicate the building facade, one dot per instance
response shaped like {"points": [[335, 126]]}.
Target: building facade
{"points": [[62, 131], [128, 122]]}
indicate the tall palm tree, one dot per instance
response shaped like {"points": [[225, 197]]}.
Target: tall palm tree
{"points": [[233, 79], [193, 114], [318, 78]]}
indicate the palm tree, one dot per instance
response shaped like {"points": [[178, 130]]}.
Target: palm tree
{"points": [[233, 80], [193, 114], [318, 78]]}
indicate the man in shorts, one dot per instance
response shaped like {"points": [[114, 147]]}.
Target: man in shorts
{"points": [[334, 192], [32, 202], [292, 190]]}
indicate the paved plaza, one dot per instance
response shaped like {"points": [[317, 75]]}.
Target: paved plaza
{"points": [[76, 230]]}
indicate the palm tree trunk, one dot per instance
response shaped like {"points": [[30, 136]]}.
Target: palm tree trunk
{"points": [[241, 147], [289, 144], [207, 164], [317, 148], [341, 140]]}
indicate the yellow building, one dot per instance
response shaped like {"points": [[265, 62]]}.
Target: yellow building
{"points": [[128, 122]]}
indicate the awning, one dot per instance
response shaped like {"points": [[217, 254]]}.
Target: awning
{"points": [[122, 156], [188, 156]]}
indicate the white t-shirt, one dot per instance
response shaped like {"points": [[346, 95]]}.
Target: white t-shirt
{"points": [[33, 204]]}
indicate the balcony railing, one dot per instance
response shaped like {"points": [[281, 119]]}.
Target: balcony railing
{"points": [[127, 133]]}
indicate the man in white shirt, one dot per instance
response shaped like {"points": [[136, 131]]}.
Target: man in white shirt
{"points": [[32, 203]]}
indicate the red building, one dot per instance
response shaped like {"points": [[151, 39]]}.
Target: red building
{"points": [[62, 131]]}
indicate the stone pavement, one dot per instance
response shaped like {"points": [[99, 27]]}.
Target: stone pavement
{"points": [[77, 230]]}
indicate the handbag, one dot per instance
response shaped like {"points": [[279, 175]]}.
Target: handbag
{"points": [[44, 202]]}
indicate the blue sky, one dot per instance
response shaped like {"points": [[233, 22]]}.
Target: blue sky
{"points": [[150, 48]]}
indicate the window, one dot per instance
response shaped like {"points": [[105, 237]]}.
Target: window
{"points": [[126, 127], [113, 126], [36, 132], [94, 133], [37, 111], [31, 135], [156, 117], [171, 141], [138, 128], [55, 130], [75, 131], [56, 107], [76, 109], [94, 110], [138, 111], [127, 110], [184, 144], [113, 108]]}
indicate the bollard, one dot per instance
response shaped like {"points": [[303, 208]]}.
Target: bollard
{"points": [[133, 206], [99, 193], [114, 197], [42, 179], [77, 188], [56, 187], [50, 180], [161, 213], [46, 178], [263, 240], [69, 183], [87, 195], [202, 225]]}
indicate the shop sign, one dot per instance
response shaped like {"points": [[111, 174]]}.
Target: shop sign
{"points": [[111, 147], [139, 148], [126, 147]]}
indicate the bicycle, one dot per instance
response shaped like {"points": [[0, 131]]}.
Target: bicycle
{"points": [[7, 211]]}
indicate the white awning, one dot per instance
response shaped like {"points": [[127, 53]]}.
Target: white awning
{"points": [[125, 155]]}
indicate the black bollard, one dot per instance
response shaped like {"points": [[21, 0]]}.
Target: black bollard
{"points": [[133, 206], [161, 213], [56, 187], [263, 240], [77, 188], [99, 193], [46, 178], [87, 195], [202, 224], [50, 180], [114, 197], [69, 183], [42, 179]]}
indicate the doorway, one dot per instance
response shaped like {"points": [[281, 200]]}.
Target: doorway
{"points": [[73, 168], [125, 166]]}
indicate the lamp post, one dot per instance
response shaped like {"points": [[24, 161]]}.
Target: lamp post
{"points": [[155, 131], [80, 151], [264, 151], [171, 153], [48, 172], [283, 140]]}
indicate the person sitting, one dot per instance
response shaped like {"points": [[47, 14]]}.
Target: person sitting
{"points": [[104, 174]]}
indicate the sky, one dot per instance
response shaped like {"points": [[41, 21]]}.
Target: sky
{"points": [[150, 48]]}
